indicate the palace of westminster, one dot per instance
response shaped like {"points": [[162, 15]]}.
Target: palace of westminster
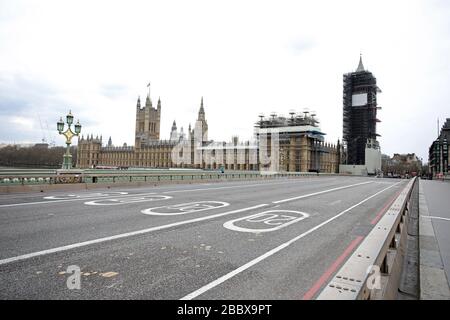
{"points": [[301, 146], [282, 143]]}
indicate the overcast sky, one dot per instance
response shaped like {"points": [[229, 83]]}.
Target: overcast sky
{"points": [[243, 57]]}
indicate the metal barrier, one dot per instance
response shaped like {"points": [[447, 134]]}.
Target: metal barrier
{"points": [[373, 271], [36, 178]]}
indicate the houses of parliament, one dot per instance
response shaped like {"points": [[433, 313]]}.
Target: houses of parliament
{"points": [[300, 146]]}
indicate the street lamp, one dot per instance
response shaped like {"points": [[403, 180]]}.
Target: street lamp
{"points": [[69, 134]]}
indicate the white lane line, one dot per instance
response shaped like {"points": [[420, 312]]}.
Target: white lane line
{"points": [[143, 194], [115, 201], [243, 186], [434, 217], [218, 188], [321, 192], [85, 196], [123, 196], [122, 235], [75, 199], [266, 255]]}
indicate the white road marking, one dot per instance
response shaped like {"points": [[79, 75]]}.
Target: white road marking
{"points": [[119, 236], [273, 218], [334, 202], [84, 195], [266, 255], [321, 192], [123, 235], [175, 191], [114, 202], [438, 218], [184, 208], [218, 188], [244, 186], [68, 200]]}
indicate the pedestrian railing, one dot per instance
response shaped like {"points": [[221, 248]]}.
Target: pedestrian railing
{"points": [[373, 271], [27, 179]]}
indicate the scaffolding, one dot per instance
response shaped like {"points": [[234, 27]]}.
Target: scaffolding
{"points": [[359, 119], [301, 143]]}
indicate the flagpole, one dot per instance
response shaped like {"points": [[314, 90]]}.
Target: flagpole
{"points": [[438, 127]]}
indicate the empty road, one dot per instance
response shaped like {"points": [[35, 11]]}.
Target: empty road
{"points": [[271, 239]]}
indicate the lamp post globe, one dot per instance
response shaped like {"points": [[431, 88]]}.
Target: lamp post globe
{"points": [[69, 118], [60, 125], [68, 134], [78, 127]]}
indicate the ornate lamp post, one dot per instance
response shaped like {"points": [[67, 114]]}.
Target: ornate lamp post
{"points": [[69, 134]]}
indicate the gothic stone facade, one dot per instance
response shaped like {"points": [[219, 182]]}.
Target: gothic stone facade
{"points": [[149, 150], [301, 148], [299, 145]]}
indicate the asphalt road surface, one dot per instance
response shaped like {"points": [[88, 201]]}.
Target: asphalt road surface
{"points": [[271, 239]]}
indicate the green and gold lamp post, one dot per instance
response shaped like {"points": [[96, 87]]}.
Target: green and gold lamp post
{"points": [[69, 134]]}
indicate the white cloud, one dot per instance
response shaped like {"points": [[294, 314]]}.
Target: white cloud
{"points": [[244, 57], [22, 123]]}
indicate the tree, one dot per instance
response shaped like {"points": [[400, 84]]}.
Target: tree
{"points": [[36, 156]]}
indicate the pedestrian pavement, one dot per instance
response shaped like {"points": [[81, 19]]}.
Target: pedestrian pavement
{"points": [[434, 230]]}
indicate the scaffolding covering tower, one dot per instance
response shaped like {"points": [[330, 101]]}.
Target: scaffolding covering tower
{"points": [[359, 114]]}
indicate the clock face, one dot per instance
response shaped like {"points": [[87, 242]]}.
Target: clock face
{"points": [[359, 99]]}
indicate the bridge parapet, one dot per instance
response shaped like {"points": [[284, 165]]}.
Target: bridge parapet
{"points": [[374, 269], [10, 178]]}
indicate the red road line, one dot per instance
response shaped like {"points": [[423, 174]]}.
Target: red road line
{"points": [[384, 209], [313, 290]]}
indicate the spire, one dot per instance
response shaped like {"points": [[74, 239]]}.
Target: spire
{"points": [[360, 65], [109, 142], [138, 105], [148, 102], [173, 132], [201, 112], [159, 103], [182, 133]]}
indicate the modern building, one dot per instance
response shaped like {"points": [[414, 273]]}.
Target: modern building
{"points": [[438, 153], [362, 151]]}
